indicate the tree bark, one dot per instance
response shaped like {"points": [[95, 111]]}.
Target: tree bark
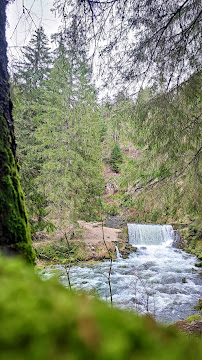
{"points": [[14, 228]]}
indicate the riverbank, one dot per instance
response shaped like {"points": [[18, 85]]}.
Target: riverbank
{"points": [[191, 238], [92, 242], [95, 244], [157, 279]]}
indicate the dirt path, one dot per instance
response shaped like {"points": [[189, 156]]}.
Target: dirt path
{"points": [[93, 233]]}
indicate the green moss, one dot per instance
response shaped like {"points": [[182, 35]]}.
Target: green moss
{"points": [[52, 251], [58, 251], [15, 236], [192, 235], [192, 318], [42, 320], [199, 264]]}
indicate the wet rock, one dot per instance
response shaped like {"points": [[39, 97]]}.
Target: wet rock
{"points": [[199, 264], [178, 242], [199, 305], [115, 222], [136, 301], [127, 250], [190, 326]]}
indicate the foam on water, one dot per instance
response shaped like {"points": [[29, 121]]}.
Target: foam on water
{"points": [[157, 278], [148, 234]]}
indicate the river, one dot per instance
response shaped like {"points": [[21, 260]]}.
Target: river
{"points": [[157, 279]]}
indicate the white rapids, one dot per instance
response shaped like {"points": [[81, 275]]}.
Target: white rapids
{"points": [[158, 278], [149, 234]]}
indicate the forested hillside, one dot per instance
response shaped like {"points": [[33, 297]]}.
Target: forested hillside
{"points": [[134, 157]]}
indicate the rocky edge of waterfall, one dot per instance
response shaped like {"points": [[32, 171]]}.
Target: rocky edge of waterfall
{"points": [[88, 244]]}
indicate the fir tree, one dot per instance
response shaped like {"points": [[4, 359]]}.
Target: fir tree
{"points": [[35, 69], [116, 157], [28, 96], [70, 138]]}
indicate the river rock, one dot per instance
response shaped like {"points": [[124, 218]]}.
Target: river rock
{"points": [[115, 222], [200, 303]]}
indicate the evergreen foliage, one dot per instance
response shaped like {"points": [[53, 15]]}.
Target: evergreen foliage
{"points": [[160, 180], [155, 41], [116, 157], [34, 71], [63, 136], [28, 97], [69, 136], [59, 140]]}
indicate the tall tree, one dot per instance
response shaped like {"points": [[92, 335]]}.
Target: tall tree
{"points": [[70, 137], [28, 96], [14, 227], [34, 70]]}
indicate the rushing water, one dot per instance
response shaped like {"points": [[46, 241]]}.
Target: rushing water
{"points": [[149, 234], [157, 278]]}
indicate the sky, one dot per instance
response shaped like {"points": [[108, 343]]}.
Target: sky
{"points": [[21, 24], [23, 18]]}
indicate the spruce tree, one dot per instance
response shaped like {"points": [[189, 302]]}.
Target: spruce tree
{"points": [[116, 157], [70, 137], [32, 73], [29, 85]]}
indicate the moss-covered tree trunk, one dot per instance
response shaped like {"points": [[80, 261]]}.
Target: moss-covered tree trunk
{"points": [[14, 227]]}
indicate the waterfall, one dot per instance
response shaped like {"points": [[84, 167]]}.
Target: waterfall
{"points": [[149, 234], [118, 255], [156, 278]]}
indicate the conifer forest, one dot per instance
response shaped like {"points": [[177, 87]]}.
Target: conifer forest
{"points": [[100, 180]]}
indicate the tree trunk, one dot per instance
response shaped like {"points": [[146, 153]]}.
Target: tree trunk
{"points": [[14, 228]]}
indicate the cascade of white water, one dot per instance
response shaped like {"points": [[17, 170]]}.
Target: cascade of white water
{"points": [[156, 277], [149, 234], [118, 255]]}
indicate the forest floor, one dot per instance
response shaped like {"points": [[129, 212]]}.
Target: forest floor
{"points": [[92, 234]]}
